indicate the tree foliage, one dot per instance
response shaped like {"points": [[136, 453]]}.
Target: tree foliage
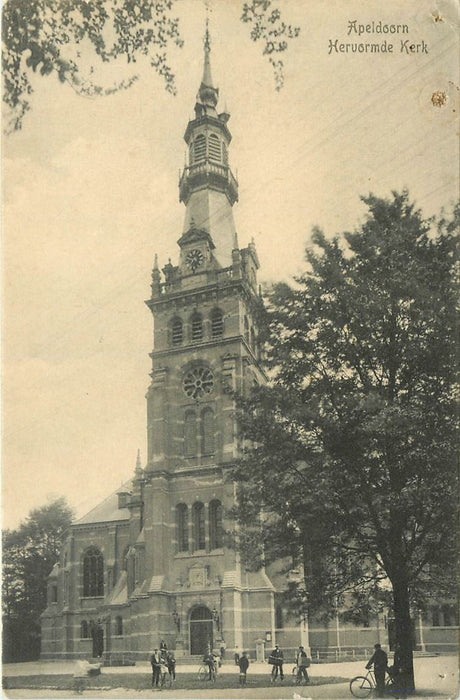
{"points": [[29, 554], [350, 457], [268, 27], [51, 37]]}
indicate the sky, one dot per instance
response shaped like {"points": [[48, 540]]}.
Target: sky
{"points": [[90, 194]]}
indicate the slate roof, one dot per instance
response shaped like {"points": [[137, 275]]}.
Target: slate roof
{"points": [[107, 511], [119, 595]]}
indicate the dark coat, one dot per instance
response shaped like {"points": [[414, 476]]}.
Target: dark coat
{"points": [[243, 663], [379, 659]]}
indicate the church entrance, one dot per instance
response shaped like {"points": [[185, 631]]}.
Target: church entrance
{"points": [[97, 633], [200, 630]]}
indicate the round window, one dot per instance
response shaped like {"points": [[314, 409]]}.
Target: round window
{"points": [[198, 381]]}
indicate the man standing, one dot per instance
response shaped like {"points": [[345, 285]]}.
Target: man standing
{"points": [[302, 662], [379, 660], [155, 662], [276, 658], [243, 663]]}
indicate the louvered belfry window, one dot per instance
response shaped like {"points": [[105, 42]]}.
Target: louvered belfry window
{"points": [[199, 148], [93, 573], [197, 327], [217, 324], [207, 431], [177, 332], [214, 148], [190, 434]]}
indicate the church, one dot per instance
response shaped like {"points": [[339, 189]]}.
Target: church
{"points": [[151, 562]]}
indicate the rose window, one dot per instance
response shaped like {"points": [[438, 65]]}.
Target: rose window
{"points": [[198, 381]]}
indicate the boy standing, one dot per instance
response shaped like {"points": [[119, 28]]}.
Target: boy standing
{"points": [[243, 663]]}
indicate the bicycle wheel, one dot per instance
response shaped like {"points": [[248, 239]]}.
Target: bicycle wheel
{"points": [[360, 687], [203, 673], [166, 680]]}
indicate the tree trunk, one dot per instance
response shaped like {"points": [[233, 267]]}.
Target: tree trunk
{"points": [[404, 639]]}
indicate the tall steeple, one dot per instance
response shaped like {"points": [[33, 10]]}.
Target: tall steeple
{"points": [[207, 186]]}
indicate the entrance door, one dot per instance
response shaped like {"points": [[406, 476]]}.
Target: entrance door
{"points": [[200, 630], [98, 641]]}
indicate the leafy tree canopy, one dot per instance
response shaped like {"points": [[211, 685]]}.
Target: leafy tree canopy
{"points": [[29, 554], [350, 457], [48, 36]]}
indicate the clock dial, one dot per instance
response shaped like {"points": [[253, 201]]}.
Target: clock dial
{"points": [[194, 259]]}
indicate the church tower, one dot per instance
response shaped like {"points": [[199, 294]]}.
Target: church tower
{"points": [[205, 349], [151, 562]]}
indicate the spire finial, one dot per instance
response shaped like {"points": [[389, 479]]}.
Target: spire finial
{"points": [[207, 38], [138, 460], [155, 263], [207, 78]]}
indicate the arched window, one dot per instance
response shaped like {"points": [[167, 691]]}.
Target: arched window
{"points": [[93, 573], [190, 434], [253, 339], [118, 631], [199, 148], [215, 525], [177, 332], [182, 527], [124, 558], [84, 629], [279, 617], [207, 431], [246, 329], [217, 324], [197, 327], [199, 526], [214, 149]]}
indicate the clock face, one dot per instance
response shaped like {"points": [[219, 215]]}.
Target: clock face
{"points": [[194, 259]]}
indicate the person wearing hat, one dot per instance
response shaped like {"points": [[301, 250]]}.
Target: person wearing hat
{"points": [[302, 662], [379, 660], [155, 662], [277, 658]]}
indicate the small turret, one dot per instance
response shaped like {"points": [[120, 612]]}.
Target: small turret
{"points": [[156, 279], [236, 257]]}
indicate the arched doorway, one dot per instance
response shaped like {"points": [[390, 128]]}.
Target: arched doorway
{"points": [[97, 634], [200, 630]]}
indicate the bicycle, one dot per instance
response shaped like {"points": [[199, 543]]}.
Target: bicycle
{"points": [[165, 678], [207, 674], [362, 686], [297, 676], [276, 673]]}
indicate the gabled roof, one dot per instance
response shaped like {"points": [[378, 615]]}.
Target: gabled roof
{"points": [[107, 511]]}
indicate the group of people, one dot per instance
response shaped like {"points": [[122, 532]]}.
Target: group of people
{"points": [[302, 662], [162, 661]]}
